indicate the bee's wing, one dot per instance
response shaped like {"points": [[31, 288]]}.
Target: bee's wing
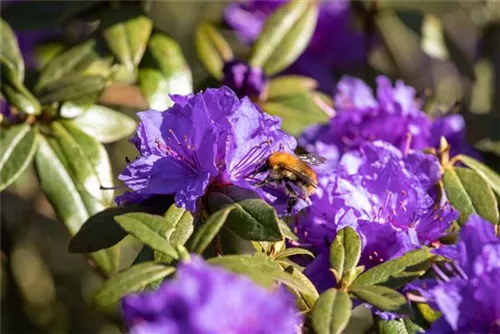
{"points": [[312, 159], [301, 176]]}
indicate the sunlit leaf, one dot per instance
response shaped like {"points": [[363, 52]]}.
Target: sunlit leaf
{"points": [[383, 298], [285, 85], [331, 312], [10, 53], [213, 50], [487, 173]]}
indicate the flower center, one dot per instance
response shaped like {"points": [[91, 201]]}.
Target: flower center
{"points": [[183, 153]]}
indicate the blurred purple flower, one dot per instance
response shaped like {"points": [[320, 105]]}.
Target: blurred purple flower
{"points": [[208, 138], [244, 80], [469, 300], [395, 116], [204, 299], [334, 45], [386, 196]]}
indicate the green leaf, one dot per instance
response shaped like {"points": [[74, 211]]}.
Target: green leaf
{"points": [[212, 49], [293, 251], [46, 51], [182, 222], [307, 298], [290, 85], [488, 174], [70, 202], [10, 52], [207, 232], [72, 87], [104, 124], [469, 193], [149, 229], [345, 251], [296, 111], [127, 31], [87, 160], [252, 218], [286, 230], [398, 326], [18, 96], [163, 71], [18, 144], [332, 312], [383, 272], [285, 36], [133, 279], [262, 270], [383, 298]]}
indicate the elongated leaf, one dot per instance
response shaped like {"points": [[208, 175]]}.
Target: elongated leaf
{"points": [[18, 146], [486, 172], [297, 112], [73, 87], [71, 203], [252, 218], [182, 223], [87, 161], [331, 312], [469, 193], [383, 272], [293, 251], [289, 85], [345, 251], [149, 229], [11, 54], [46, 51], [213, 50], [262, 270], [285, 36], [381, 297], [286, 230], [337, 255], [207, 232], [18, 96], [127, 31], [133, 279], [398, 326], [104, 124], [164, 71]]}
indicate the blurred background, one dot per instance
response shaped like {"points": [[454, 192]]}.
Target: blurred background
{"points": [[449, 51]]}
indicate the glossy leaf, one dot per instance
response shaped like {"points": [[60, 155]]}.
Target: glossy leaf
{"points": [[127, 31], [261, 269], [104, 124], [296, 111], [213, 50], [398, 326], [131, 280], [149, 229], [469, 193], [332, 312], [18, 144], [18, 96], [488, 174], [383, 298], [290, 85], [72, 204], [10, 53], [345, 251], [285, 36], [163, 71], [252, 218], [207, 232], [383, 272], [182, 222], [293, 251]]}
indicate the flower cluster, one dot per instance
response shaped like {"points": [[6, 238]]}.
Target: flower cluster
{"points": [[202, 299], [469, 299], [320, 59], [208, 138], [395, 116], [388, 197]]}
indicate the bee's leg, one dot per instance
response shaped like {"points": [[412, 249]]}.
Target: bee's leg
{"points": [[292, 198]]}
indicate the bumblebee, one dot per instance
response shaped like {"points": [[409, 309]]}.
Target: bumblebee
{"points": [[285, 168]]}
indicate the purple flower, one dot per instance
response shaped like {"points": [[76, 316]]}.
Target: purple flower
{"points": [[208, 138], [333, 28], [395, 116], [469, 300], [244, 80], [203, 299], [388, 197]]}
